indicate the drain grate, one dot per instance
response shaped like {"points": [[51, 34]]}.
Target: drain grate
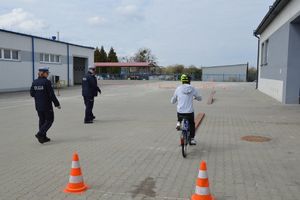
{"points": [[255, 138]]}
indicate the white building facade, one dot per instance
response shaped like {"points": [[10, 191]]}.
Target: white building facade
{"points": [[21, 55], [278, 52]]}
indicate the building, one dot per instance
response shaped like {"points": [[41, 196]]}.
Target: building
{"points": [[225, 73], [21, 55], [278, 52], [132, 70]]}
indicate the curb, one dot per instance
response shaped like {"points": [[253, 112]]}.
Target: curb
{"points": [[199, 119]]}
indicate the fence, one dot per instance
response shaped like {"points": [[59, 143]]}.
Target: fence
{"points": [[143, 76], [225, 77]]}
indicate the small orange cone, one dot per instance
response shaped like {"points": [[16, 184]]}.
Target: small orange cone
{"points": [[202, 191], [76, 184]]}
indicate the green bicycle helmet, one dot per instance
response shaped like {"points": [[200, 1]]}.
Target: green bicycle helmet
{"points": [[185, 78]]}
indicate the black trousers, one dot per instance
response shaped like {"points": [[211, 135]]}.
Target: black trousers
{"points": [[191, 118], [46, 119], [89, 104]]}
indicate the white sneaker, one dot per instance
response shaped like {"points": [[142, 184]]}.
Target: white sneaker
{"points": [[178, 126], [193, 142]]}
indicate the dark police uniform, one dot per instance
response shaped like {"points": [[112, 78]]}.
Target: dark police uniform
{"points": [[43, 94], [90, 90]]}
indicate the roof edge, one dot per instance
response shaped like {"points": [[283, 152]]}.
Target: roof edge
{"points": [[42, 38], [235, 65], [274, 10]]}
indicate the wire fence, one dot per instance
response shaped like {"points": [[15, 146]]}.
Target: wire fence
{"points": [[225, 77], [143, 76]]}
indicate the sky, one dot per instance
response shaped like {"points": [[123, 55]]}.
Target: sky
{"points": [[189, 32]]}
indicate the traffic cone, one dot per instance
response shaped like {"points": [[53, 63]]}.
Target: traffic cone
{"points": [[76, 184], [202, 191]]}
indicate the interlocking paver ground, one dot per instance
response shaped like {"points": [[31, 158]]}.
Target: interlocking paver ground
{"points": [[132, 152]]}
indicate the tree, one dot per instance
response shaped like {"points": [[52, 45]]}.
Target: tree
{"points": [[126, 59], [174, 69], [112, 56], [144, 55], [97, 55], [103, 55], [252, 74], [194, 72]]}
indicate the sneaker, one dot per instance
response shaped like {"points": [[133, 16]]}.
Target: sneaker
{"points": [[178, 126], [193, 142], [88, 122]]}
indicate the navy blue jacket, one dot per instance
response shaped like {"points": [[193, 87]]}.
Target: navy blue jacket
{"points": [[89, 86], [43, 94]]}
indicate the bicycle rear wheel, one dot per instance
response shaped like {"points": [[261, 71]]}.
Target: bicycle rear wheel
{"points": [[184, 143], [183, 149]]}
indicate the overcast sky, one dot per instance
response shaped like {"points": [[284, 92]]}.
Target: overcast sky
{"points": [[198, 32]]}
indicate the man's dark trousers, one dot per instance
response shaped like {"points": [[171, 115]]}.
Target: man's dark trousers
{"points": [[46, 119], [191, 118], [89, 104]]}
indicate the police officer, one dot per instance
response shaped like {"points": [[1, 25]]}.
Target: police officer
{"points": [[43, 94], [90, 90]]}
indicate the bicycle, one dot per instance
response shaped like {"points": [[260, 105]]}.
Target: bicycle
{"points": [[185, 136]]}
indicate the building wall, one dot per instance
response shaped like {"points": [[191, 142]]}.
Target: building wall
{"points": [[45, 46], [273, 75], [280, 77], [225, 73], [293, 70], [16, 75]]}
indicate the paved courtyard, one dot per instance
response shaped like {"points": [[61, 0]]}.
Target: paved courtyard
{"points": [[132, 150]]}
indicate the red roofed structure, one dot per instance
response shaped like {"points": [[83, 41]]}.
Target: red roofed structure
{"points": [[133, 70], [119, 64]]}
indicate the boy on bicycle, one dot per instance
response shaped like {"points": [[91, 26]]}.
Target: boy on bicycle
{"points": [[183, 96]]}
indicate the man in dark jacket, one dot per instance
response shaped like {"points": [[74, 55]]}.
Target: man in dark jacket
{"points": [[43, 94], [90, 90]]}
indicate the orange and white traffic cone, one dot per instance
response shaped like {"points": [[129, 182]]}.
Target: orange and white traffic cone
{"points": [[76, 184], [202, 191]]}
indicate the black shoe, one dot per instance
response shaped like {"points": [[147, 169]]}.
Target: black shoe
{"points": [[88, 122], [41, 139], [94, 117], [46, 139]]}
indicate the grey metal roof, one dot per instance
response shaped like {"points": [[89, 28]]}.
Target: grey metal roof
{"points": [[274, 10], [42, 38], [236, 65]]}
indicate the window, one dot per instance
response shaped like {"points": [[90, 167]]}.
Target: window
{"points": [[49, 58], [15, 55], [41, 57], [57, 59], [264, 53], [8, 54]]}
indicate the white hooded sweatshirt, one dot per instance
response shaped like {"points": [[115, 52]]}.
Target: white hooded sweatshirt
{"points": [[184, 95]]}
